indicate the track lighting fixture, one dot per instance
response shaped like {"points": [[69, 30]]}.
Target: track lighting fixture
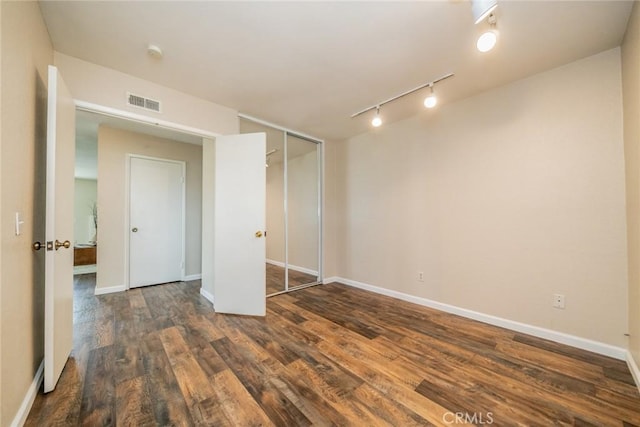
{"points": [[377, 120], [269, 153], [488, 39], [482, 8], [429, 102]]}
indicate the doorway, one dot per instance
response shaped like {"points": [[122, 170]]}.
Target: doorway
{"points": [[113, 138], [85, 220]]}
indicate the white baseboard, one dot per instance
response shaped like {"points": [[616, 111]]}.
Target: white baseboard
{"points": [[293, 267], [633, 367], [303, 270], [27, 402], [85, 269], [559, 337], [192, 277], [207, 295], [110, 290], [331, 279], [274, 262]]}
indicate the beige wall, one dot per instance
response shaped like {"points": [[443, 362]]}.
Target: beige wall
{"points": [[208, 209], [631, 103], [330, 224], [86, 192], [113, 147], [501, 200], [107, 87], [302, 209], [2, 229], [302, 212], [26, 52], [275, 212]]}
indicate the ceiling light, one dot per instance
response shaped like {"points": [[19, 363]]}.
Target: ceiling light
{"points": [[377, 120], [154, 51], [431, 100], [482, 8], [487, 41], [489, 38]]}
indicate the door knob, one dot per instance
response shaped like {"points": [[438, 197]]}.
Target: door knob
{"points": [[66, 244], [134, 229], [37, 246], [258, 233]]}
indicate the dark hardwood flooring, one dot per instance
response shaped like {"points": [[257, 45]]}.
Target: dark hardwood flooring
{"points": [[326, 355], [275, 279]]}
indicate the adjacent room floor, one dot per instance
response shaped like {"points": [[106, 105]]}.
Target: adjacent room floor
{"points": [[326, 355], [275, 279]]}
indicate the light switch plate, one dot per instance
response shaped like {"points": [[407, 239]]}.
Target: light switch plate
{"points": [[19, 223]]}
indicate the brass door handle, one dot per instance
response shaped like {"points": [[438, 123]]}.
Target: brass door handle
{"points": [[37, 246], [258, 233], [66, 244]]}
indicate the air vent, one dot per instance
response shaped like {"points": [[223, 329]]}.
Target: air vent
{"points": [[142, 102]]}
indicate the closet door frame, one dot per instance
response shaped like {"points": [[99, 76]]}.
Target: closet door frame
{"points": [[320, 199]]}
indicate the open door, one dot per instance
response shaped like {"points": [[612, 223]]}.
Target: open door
{"points": [[58, 305], [239, 222]]}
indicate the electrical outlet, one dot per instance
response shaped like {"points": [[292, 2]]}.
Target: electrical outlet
{"points": [[558, 301], [420, 276]]}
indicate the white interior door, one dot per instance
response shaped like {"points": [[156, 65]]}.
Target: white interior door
{"points": [[58, 306], [239, 223], [156, 224]]}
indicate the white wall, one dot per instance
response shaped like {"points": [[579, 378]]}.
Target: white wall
{"points": [[113, 147], [86, 195], [501, 200]]}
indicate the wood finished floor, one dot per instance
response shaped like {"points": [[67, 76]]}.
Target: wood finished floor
{"points": [[327, 355], [275, 279]]}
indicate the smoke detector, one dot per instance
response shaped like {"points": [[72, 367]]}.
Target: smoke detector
{"points": [[154, 51]]}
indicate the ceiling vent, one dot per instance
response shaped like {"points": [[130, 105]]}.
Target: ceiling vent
{"points": [[142, 102]]}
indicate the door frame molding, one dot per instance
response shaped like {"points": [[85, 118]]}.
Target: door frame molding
{"points": [[134, 117], [127, 214]]}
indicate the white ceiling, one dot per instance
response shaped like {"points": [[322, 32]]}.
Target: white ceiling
{"points": [[310, 65]]}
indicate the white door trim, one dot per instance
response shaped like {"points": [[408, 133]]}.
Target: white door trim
{"points": [[127, 115], [127, 213]]}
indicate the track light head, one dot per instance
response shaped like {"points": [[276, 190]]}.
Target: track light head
{"points": [[489, 38], [482, 8], [377, 120], [431, 100]]}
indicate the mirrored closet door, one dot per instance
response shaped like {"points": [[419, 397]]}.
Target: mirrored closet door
{"points": [[293, 243]]}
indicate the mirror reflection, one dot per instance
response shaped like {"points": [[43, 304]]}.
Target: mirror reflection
{"points": [[302, 211], [292, 209]]}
